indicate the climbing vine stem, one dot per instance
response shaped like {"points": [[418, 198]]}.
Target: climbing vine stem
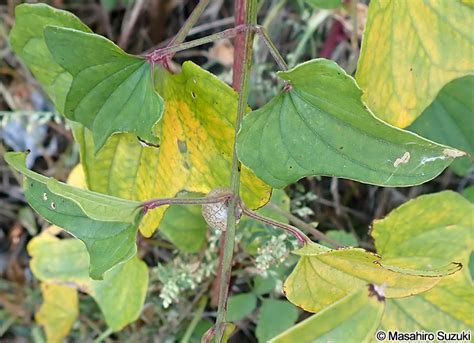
{"points": [[226, 267]]}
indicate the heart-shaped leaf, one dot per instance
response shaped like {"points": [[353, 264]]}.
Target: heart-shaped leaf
{"points": [[319, 126], [323, 276], [27, 40], [106, 225], [111, 91], [410, 50]]}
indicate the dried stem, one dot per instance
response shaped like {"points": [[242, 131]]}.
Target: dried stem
{"points": [[188, 25], [307, 227]]}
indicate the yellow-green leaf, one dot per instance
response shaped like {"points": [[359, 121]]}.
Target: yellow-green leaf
{"points": [[323, 276], [195, 153], [410, 50], [120, 295], [430, 231], [354, 318], [58, 312]]}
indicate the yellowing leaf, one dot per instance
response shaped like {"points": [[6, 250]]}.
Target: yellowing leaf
{"points": [[354, 318], [430, 231], [60, 261], [77, 177], [410, 50], [324, 276], [58, 312], [120, 295], [195, 153]]}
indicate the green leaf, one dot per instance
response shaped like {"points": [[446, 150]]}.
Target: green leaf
{"points": [[58, 312], [345, 238], [27, 40], [354, 318], [111, 91], [410, 50], [430, 231], [275, 317], [468, 193], [106, 225], [240, 306], [263, 285], [448, 120], [328, 4], [185, 227], [321, 127], [323, 276], [195, 153], [120, 295]]}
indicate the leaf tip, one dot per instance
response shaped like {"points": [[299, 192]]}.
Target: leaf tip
{"points": [[454, 153]]}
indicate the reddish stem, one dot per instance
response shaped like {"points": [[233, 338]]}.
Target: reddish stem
{"points": [[239, 42], [335, 36], [299, 235]]}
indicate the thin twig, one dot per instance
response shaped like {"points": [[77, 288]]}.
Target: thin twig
{"points": [[262, 32], [129, 24], [151, 204], [192, 19], [195, 30], [298, 234], [307, 227], [335, 195], [197, 316], [161, 54]]}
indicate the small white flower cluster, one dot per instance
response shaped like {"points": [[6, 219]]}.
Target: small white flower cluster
{"points": [[181, 275], [273, 252], [187, 271]]}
